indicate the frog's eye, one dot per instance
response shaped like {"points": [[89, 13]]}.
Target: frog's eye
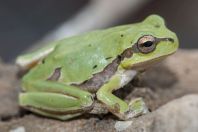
{"points": [[146, 44]]}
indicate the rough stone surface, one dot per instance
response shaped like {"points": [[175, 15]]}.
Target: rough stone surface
{"points": [[9, 88], [170, 90], [179, 115]]}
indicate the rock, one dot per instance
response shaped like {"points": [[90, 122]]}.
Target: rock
{"points": [[166, 88], [33, 123], [9, 88], [122, 125], [18, 129], [179, 115]]}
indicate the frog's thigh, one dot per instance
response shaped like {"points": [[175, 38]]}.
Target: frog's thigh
{"points": [[54, 98], [51, 104], [115, 104]]}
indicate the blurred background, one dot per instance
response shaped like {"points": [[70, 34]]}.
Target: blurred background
{"points": [[26, 24]]}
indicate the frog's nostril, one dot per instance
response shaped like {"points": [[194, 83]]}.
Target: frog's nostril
{"points": [[167, 39], [170, 39]]}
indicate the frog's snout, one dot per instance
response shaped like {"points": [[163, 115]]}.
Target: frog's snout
{"points": [[166, 39]]}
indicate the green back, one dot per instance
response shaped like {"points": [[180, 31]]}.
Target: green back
{"points": [[84, 55]]}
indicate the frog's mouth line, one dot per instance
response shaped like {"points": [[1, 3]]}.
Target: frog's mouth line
{"points": [[147, 64]]}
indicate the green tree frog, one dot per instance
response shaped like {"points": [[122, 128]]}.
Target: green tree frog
{"points": [[66, 78]]}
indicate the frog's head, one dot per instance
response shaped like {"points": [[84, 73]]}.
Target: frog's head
{"points": [[151, 43]]}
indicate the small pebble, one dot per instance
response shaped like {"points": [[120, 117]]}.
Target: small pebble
{"points": [[122, 125], [18, 129]]}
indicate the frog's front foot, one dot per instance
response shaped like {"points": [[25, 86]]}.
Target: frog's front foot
{"points": [[137, 107], [117, 106]]}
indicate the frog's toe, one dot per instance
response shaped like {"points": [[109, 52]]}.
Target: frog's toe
{"points": [[137, 107]]}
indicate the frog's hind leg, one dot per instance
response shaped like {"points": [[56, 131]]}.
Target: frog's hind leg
{"points": [[55, 116], [55, 99]]}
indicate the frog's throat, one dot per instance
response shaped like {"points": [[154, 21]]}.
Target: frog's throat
{"points": [[142, 66]]}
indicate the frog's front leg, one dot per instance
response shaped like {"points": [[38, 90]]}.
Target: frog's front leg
{"points": [[54, 99], [117, 106]]}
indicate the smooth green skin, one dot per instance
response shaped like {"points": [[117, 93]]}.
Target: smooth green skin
{"points": [[77, 56]]}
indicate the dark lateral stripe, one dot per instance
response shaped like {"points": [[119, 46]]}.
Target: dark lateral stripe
{"points": [[98, 79], [56, 75]]}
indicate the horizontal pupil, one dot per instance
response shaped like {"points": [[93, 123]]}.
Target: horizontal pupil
{"points": [[148, 44]]}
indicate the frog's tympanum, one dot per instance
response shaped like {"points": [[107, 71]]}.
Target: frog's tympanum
{"points": [[67, 78]]}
